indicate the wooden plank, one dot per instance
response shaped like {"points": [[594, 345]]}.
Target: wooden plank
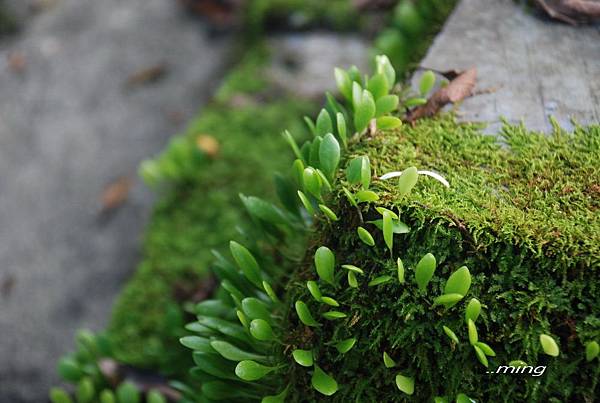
{"points": [[537, 67]]}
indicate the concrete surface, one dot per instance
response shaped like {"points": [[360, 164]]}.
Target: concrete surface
{"points": [[536, 67], [303, 63], [68, 127]]}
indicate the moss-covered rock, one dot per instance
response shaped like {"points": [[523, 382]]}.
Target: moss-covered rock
{"points": [[191, 219], [405, 289], [522, 214]]}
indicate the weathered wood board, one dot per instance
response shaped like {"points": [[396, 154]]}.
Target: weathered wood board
{"points": [[536, 67]]}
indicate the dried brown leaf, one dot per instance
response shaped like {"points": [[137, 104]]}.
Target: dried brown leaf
{"points": [[147, 75], [571, 11], [115, 193], [208, 145], [458, 89]]}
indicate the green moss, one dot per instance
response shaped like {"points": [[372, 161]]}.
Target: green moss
{"points": [[271, 14], [522, 214], [199, 210], [8, 24]]}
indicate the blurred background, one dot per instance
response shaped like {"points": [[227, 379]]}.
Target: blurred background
{"points": [[128, 128], [90, 89]]}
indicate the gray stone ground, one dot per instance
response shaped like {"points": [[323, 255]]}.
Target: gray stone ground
{"points": [[535, 67], [68, 127]]}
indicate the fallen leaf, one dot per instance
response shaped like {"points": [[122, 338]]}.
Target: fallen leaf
{"points": [[571, 11], [147, 75], [457, 90], [222, 13], [115, 193], [7, 284], [447, 74], [208, 145], [16, 62]]}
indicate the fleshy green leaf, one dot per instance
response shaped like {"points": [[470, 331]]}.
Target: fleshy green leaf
{"points": [[365, 172], [328, 212], [366, 196], [69, 370], [357, 92], [313, 153], [311, 125], [405, 384], [380, 280], [59, 395], [386, 104], [305, 315], [352, 280], [359, 171], [365, 236], [306, 203], [517, 363], [549, 345], [261, 330], [424, 271], [303, 357], [85, 390], [333, 315], [473, 310], [323, 383], [233, 353], [350, 197], [269, 290], [312, 182], [388, 230], [325, 262], [344, 83], [398, 227], [462, 398], [313, 287], [297, 172], [409, 103], [400, 271], [329, 301], [382, 210], [487, 350], [472, 332], [384, 66], [450, 334], [592, 349], [278, 398], [480, 355], [290, 139], [249, 370], [108, 396], [407, 180], [447, 300], [459, 282], [196, 343], [426, 83], [246, 262], [364, 111], [388, 122], [342, 129], [329, 154], [378, 86], [242, 318], [353, 268], [345, 345], [154, 396], [256, 309], [324, 124], [128, 393], [387, 361]]}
